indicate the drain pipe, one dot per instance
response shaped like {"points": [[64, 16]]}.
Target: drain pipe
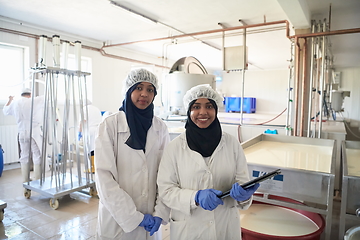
{"points": [[303, 88], [223, 45], [322, 82], [311, 81], [243, 78]]}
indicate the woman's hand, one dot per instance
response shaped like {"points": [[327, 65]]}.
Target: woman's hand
{"points": [[240, 194], [208, 199]]}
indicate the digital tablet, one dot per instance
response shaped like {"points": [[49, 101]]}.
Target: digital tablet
{"points": [[254, 181]]}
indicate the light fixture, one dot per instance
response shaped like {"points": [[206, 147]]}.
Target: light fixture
{"points": [[134, 13]]}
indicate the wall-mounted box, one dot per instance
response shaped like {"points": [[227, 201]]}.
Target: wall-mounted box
{"points": [[234, 58]]}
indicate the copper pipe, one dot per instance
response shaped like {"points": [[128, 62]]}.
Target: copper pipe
{"points": [[207, 32], [320, 34], [128, 59], [100, 50], [303, 88], [19, 33]]}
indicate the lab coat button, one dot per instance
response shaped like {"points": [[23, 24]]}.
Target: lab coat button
{"points": [[143, 169], [211, 222]]}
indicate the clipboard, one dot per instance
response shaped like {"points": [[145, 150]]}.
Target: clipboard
{"points": [[254, 181]]}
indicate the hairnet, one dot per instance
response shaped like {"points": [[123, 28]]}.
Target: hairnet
{"points": [[26, 90], [201, 91], [87, 102], [140, 75]]}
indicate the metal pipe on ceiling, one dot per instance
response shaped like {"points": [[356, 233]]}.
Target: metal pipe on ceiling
{"points": [[206, 32], [100, 50], [329, 33]]}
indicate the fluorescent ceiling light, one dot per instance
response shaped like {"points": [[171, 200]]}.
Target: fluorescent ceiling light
{"points": [[134, 13]]}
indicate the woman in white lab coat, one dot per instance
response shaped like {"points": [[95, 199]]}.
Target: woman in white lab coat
{"points": [[197, 167], [128, 149]]}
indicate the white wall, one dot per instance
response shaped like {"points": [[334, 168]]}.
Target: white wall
{"points": [[107, 73], [269, 87], [350, 81]]}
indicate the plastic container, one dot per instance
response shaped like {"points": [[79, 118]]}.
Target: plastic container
{"points": [[312, 218], [1, 160], [232, 104]]}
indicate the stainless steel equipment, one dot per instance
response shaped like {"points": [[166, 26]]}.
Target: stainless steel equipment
{"points": [[63, 110], [186, 73], [307, 176], [350, 195], [3, 205]]}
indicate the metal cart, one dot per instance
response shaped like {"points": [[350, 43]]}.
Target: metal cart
{"points": [[306, 176], [350, 193], [3, 205], [62, 113]]}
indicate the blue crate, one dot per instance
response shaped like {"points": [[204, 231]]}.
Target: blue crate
{"points": [[232, 104]]}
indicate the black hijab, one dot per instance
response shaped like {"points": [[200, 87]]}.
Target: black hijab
{"points": [[139, 120], [203, 140]]}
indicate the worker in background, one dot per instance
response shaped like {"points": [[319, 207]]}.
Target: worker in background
{"points": [[106, 114], [128, 149], [93, 118], [21, 110], [197, 167]]}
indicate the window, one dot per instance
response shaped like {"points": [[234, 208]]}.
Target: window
{"points": [[12, 71]]}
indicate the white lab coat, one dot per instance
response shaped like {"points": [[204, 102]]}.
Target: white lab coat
{"points": [[182, 172], [126, 179], [93, 119], [21, 110]]}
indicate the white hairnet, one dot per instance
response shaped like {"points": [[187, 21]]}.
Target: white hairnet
{"points": [[26, 90], [140, 75], [201, 91], [87, 102]]}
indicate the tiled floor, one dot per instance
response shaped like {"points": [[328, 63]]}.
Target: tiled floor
{"points": [[34, 219], [76, 217]]}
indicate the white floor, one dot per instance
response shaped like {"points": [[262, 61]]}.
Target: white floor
{"points": [[76, 217], [34, 219]]}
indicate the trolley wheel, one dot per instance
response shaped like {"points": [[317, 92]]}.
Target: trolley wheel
{"points": [[54, 203], [93, 192], [1, 215], [27, 193]]}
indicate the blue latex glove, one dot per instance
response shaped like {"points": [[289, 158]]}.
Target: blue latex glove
{"points": [[79, 136], [147, 222], [240, 194], [208, 199], [156, 226]]}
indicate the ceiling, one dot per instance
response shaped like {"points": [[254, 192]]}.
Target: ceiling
{"points": [[268, 46]]}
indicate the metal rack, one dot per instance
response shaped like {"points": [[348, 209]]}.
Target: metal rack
{"points": [[350, 195], [302, 177], [60, 147]]}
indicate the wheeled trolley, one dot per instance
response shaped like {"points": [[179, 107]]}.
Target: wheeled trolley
{"points": [[69, 183], [65, 97], [3, 205]]}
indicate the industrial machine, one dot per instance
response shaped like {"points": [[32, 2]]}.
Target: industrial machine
{"points": [[186, 73]]}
